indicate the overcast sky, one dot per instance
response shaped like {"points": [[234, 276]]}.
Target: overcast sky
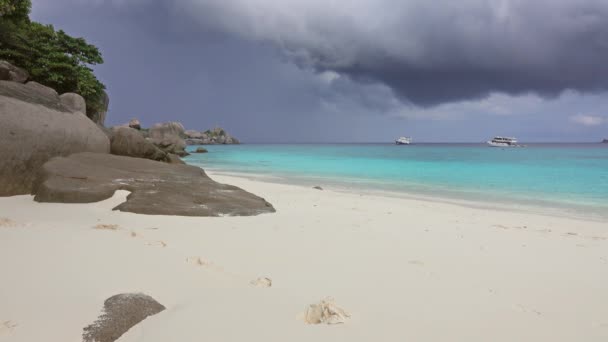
{"points": [[352, 71]]}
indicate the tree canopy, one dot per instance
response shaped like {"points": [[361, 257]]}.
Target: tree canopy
{"points": [[52, 57]]}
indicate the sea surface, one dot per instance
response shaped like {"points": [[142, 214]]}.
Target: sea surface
{"points": [[564, 177]]}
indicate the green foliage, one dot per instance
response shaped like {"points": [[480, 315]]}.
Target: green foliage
{"points": [[15, 9], [52, 58]]}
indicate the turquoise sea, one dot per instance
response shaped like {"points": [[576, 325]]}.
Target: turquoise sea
{"points": [[571, 177]]}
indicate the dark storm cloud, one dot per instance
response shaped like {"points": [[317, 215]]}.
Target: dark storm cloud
{"points": [[431, 52]]}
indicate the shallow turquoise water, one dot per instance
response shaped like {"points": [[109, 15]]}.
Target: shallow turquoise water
{"points": [[571, 175]]}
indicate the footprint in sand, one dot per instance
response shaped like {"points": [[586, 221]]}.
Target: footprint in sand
{"points": [[7, 327], [8, 223], [198, 261], [325, 312], [261, 282], [106, 227], [528, 310], [162, 244]]}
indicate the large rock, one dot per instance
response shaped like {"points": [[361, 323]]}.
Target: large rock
{"points": [[126, 141], [99, 117], [34, 127], [9, 72], [120, 313], [156, 188], [168, 137], [73, 102]]}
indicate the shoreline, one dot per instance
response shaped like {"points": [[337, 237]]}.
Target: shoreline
{"points": [[567, 210], [403, 269]]}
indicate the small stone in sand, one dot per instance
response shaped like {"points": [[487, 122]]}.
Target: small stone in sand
{"points": [[261, 282], [317, 187], [325, 312], [106, 227]]}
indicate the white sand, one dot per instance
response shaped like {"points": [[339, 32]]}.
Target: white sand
{"points": [[405, 270]]}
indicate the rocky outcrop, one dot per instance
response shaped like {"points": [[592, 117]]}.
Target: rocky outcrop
{"points": [[35, 126], [120, 313], [168, 137], [99, 117], [201, 150], [156, 188], [605, 141], [210, 137], [126, 141], [134, 123], [9, 72]]}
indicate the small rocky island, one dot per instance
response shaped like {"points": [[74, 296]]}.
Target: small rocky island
{"points": [[216, 136], [605, 141]]}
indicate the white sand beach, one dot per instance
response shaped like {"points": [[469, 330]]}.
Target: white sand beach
{"points": [[403, 269]]}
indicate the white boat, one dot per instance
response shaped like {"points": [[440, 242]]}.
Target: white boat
{"points": [[403, 141], [503, 142]]}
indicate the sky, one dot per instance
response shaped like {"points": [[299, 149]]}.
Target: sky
{"points": [[352, 70]]}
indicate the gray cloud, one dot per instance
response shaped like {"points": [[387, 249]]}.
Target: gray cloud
{"points": [[430, 52]]}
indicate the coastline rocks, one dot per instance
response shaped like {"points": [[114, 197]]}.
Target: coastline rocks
{"points": [[120, 313], [194, 142], [605, 141], [134, 123], [73, 102], [201, 150], [192, 134], [210, 137], [126, 141], [35, 127], [168, 137], [156, 188], [9, 72]]}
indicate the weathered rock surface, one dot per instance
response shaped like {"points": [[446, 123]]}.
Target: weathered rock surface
{"points": [[34, 127], [168, 137], [201, 150], [156, 188], [9, 72], [33, 93], [99, 117], [73, 102], [120, 313], [126, 141], [134, 123]]}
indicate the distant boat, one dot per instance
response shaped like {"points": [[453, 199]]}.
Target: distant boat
{"points": [[503, 142], [403, 141]]}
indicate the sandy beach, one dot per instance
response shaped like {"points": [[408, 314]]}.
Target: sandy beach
{"points": [[403, 269]]}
